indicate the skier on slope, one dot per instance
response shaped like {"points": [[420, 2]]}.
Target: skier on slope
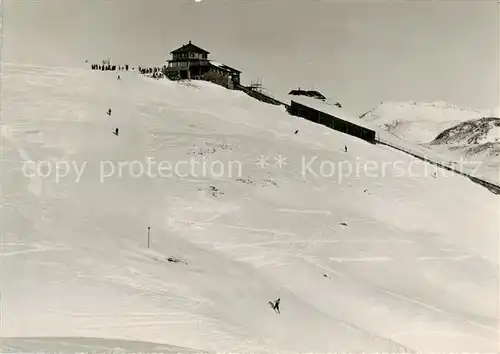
{"points": [[276, 306]]}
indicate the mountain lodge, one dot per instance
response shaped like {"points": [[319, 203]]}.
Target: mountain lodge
{"points": [[191, 62]]}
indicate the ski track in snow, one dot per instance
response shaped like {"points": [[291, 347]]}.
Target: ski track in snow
{"points": [[363, 259], [236, 227]]}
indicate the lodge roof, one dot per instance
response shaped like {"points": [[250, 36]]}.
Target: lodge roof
{"points": [[224, 67], [190, 48], [307, 93]]}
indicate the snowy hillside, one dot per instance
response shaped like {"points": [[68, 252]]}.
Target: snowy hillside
{"points": [[472, 132], [445, 131], [242, 211], [86, 345], [476, 143], [418, 122]]}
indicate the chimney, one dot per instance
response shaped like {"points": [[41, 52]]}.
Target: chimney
{"points": [[189, 42]]}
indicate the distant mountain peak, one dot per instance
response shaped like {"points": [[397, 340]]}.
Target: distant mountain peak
{"points": [[418, 121], [422, 104], [472, 132]]}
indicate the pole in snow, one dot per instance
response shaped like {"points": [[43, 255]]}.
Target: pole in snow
{"points": [[149, 235]]}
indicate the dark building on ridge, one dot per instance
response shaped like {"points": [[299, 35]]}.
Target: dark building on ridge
{"points": [[307, 93], [331, 117], [191, 62]]}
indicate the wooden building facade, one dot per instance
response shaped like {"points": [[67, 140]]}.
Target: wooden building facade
{"points": [[335, 123], [191, 62]]}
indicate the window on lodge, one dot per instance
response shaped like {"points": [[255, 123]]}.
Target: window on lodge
{"points": [[177, 64], [190, 56], [195, 56]]}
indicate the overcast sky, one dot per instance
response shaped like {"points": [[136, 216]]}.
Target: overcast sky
{"points": [[357, 52]]}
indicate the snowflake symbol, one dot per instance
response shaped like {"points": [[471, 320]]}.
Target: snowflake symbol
{"points": [[262, 161], [280, 161]]}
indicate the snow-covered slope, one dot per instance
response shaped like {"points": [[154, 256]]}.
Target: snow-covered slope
{"points": [[472, 132], [443, 132], [86, 345], [381, 259], [475, 143], [418, 122]]}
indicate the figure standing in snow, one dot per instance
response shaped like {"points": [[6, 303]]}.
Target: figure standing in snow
{"points": [[109, 112], [118, 77], [345, 148], [116, 132], [276, 306]]}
